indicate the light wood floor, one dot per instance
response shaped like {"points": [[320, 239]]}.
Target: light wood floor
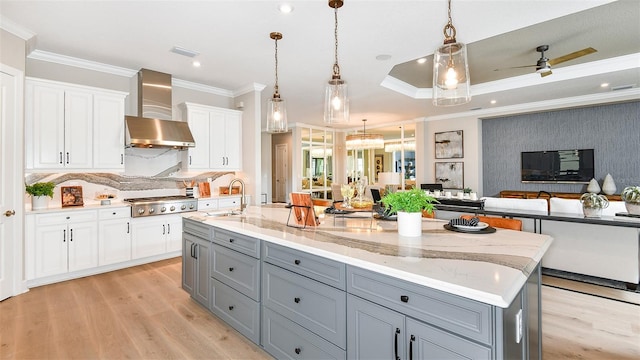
{"points": [[142, 313]]}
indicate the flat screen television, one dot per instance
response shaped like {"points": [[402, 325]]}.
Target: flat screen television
{"points": [[557, 166]]}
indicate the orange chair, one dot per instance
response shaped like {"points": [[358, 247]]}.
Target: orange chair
{"points": [[497, 222]]}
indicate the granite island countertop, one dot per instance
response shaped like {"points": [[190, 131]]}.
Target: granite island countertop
{"points": [[490, 268]]}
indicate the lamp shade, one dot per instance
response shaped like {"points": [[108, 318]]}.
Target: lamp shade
{"points": [[336, 102], [364, 141], [398, 146], [276, 115], [451, 83]]}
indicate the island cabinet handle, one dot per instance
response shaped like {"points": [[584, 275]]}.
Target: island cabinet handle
{"points": [[395, 343], [404, 298], [232, 240], [296, 300], [296, 261], [231, 307], [231, 269], [298, 350], [413, 338]]}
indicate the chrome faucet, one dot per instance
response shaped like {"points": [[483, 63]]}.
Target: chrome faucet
{"points": [[242, 204]]}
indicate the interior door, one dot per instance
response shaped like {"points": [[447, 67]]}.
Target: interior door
{"points": [[11, 177], [281, 173]]}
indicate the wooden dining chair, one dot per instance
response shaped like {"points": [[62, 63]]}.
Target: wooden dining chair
{"points": [[497, 222]]}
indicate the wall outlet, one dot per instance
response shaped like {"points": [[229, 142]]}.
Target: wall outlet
{"points": [[519, 328]]}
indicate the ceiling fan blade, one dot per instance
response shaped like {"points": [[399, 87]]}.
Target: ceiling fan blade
{"points": [[515, 67], [573, 55], [546, 73]]}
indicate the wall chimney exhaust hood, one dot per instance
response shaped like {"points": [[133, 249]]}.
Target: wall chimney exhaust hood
{"points": [[154, 128]]}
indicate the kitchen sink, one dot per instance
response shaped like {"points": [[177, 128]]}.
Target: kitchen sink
{"points": [[223, 213]]}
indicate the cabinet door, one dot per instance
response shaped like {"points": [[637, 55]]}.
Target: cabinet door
{"points": [[78, 129], [427, 342], [114, 241], [108, 134], [174, 232], [50, 250], [233, 135], [198, 156], [82, 240], [148, 237], [203, 265], [189, 267], [217, 141], [373, 331], [45, 126]]}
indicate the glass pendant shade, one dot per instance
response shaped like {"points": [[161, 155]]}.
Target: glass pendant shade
{"points": [[398, 146], [364, 141], [336, 108], [451, 84], [276, 115]]}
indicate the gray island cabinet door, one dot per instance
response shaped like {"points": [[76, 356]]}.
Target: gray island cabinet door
{"points": [[374, 332], [430, 343]]}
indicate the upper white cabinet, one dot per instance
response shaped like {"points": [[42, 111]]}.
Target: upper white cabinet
{"points": [[73, 127], [217, 133]]}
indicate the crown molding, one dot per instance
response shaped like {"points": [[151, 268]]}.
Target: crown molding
{"points": [[253, 87], [201, 87], [16, 29], [80, 63]]}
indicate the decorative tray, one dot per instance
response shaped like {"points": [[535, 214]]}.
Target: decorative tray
{"points": [[487, 230]]}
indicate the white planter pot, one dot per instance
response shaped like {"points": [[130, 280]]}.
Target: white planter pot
{"points": [[592, 212], [39, 202], [632, 208], [409, 224]]}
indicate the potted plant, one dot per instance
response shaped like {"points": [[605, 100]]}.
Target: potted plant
{"points": [[631, 197], [39, 193], [592, 204], [409, 206]]}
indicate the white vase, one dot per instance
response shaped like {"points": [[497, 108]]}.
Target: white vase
{"points": [[593, 187], [409, 224], [608, 186], [39, 202], [632, 208]]}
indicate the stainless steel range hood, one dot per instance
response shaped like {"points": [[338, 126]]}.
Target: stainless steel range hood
{"points": [[153, 127]]}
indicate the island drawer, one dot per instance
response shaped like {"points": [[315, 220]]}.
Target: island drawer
{"points": [[318, 268], [285, 339], [240, 271], [244, 244], [114, 213], [318, 307], [196, 228], [451, 312], [237, 310]]}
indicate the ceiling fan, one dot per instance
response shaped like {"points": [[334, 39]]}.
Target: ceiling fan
{"points": [[543, 66]]}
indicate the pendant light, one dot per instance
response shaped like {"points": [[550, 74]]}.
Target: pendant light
{"points": [[451, 84], [336, 102], [276, 110], [364, 140]]}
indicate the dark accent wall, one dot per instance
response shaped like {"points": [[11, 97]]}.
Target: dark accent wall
{"points": [[613, 131]]}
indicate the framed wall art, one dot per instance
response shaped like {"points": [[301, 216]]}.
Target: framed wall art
{"points": [[379, 164], [450, 175], [449, 144], [72, 196]]}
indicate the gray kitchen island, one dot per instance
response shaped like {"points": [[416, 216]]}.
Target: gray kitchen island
{"points": [[341, 290]]}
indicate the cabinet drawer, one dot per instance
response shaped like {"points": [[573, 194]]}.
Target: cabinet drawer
{"points": [[65, 217], [237, 310], [197, 228], [285, 339], [114, 213], [230, 202], [317, 307], [237, 270], [244, 244], [207, 204], [318, 268], [462, 316]]}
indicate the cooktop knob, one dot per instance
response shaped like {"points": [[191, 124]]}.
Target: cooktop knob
{"points": [[172, 208], [163, 209], [152, 210], [140, 211], [183, 207], [191, 206]]}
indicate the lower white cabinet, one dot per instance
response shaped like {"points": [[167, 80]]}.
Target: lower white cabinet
{"points": [[63, 242], [155, 235], [114, 239]]}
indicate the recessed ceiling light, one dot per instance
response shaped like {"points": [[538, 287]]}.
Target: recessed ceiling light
{"points": [[285, 8], [604, 85], [383, 57], [196, 63], [493, 101], [421, 60]]}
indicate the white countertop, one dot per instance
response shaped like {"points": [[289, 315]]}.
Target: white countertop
{"points": [[490, 268]]}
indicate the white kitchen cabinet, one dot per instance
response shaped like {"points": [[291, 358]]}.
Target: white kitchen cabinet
{"points": [[155, 235], [114, 235], [217, 133], [63, 242], [73, 127], [108, 134]]}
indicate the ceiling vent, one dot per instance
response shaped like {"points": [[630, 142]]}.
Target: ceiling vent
{"points": [[185, 52], [623, 87]]}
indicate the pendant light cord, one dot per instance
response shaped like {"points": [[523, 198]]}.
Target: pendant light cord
{"points": [[336, 67], [449, 30], [276, 94]]}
